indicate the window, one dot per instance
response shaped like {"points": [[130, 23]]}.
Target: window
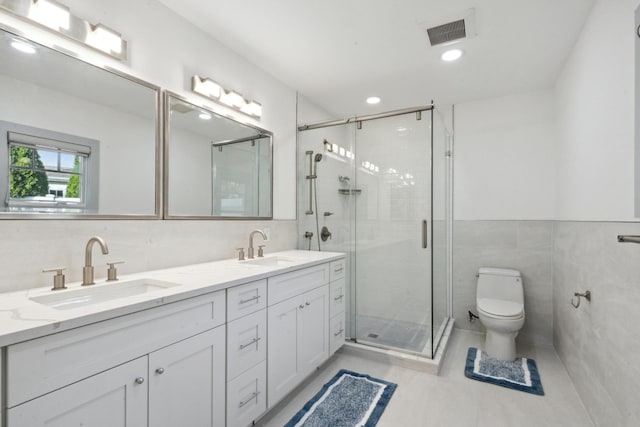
{"points": [[48, 171]]}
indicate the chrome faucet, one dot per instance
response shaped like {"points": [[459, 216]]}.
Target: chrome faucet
{"points": [[87, 271], [253, 233]]}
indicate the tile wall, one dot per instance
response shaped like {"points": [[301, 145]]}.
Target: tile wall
{"points": [[599, 342], [526, 246]]}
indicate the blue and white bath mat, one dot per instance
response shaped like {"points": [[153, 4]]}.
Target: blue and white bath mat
{"points": [[519, 374], [348, 400]]}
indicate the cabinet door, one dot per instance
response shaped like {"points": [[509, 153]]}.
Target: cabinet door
{"points": [[282, 332], [313, 330], [336, 333], [246, 343], [247, 396], [117, 397], [187, 382]]}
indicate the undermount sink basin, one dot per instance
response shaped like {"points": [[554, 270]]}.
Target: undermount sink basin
{"points": [[275, 261], [69, 299]]}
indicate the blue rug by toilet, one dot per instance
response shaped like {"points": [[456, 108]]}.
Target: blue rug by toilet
{"points": [[519, 374], [349, 399]]}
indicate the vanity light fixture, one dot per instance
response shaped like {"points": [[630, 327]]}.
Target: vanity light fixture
{"points": [[451, 55], [23, 46], [50, 14], [105, 39], [58, 18], [230, 98], [373, 100]]}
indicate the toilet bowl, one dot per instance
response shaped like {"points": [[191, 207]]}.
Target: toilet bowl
{"points": [[500, 306]]}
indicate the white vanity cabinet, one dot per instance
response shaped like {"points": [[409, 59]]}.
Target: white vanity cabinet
{"points": [[337, 298], [246, 353], [298, 322], [160, 361]]}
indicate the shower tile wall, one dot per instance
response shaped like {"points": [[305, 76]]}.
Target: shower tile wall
{"points": [[599, 342], [526, 246]]}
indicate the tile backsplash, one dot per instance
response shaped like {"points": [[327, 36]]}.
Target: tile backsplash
{"points": [[29, 246]]}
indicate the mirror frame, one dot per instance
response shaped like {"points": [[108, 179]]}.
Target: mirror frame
{"points": [[166, 133], [158, 143]]}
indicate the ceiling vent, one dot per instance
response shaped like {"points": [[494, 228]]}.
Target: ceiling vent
{"points": [[447, 33]]}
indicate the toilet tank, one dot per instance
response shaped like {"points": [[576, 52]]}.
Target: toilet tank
{"points": [[500, 283]]}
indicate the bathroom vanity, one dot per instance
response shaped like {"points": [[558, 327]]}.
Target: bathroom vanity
{"points": [[211, 344]]}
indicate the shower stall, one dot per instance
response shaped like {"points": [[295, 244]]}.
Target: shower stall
{"points": [[379, 189]]}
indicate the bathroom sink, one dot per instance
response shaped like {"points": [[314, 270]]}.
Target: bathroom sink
{"points": [[271, 261], [95, 294]]}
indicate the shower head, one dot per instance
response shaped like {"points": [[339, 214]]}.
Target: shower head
{"points": [[318, 157]]}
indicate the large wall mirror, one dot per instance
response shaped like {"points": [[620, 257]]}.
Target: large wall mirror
{"points": [[215, 167], [76, 140]]}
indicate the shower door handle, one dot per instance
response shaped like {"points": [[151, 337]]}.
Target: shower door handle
{"points": [[425, 234]]}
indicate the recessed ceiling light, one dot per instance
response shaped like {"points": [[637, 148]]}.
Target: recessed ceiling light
{"points": [[451, 55], [205, 116], [372, 100], [22, 46]]}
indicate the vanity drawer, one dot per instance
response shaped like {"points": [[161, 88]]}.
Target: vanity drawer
{"points": [[45, 364], [338, 269], [246, 299], [246, 343], [337, 333], [336, 297], [289, 285], [247, 396]]}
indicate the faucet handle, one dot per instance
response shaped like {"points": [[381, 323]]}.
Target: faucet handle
{"points": [[112, 272], [58, 279], [240, 254], [261, 251]]}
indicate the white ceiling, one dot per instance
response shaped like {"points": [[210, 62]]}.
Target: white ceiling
{"points": [[338, 52]]}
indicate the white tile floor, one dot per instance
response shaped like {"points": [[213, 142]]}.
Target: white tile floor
{"points": [[451, 399]]}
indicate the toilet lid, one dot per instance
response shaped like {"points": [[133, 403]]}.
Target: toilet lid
{"points": [[499, 307]]}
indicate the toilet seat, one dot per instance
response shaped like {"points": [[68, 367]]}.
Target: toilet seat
{"points": [[500, 309]]}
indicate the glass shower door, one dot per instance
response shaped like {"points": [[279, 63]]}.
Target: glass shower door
{"points": [[392, 200]]}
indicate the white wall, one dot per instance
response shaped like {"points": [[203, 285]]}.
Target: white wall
{"points": [[164, 50], [595, 106], [503, 159]]}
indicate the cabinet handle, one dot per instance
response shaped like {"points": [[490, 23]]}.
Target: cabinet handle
{"points": [[338, 270], [307, 303], [160, 371], [425, 235], [338, 333], [244, 301], [139, 380], [338, 297], [253, 341], [301, 306], [254, 395]]}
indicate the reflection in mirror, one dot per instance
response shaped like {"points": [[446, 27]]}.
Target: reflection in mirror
{"points": [[215, 167], [76, 140]]}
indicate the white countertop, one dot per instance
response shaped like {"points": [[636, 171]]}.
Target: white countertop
{"points": [[22, 319]]}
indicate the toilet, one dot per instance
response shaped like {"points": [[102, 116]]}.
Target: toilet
{"points": [[500, 305]]}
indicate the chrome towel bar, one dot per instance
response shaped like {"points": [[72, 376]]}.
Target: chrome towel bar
{"points": [[628, 239]]}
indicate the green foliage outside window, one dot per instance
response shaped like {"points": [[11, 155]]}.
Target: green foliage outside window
{"points": [[27, 182], [73, 186]]}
